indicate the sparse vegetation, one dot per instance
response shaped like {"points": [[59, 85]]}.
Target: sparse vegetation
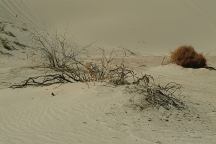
{"points": [[187, 57], [121, 75], [42, 81], [156, 95], [63, 59], [67, 67]]}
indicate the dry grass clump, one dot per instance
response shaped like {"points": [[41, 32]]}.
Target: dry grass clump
{"points": [[187, 57]]}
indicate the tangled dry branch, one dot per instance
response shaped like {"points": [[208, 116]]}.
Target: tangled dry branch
{"points": [[67, 67], [63, 60], [42, 81], [120, 75], [157, 95]]}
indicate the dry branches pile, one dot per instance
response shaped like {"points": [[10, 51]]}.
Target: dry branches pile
{"points": [[63, 59], [155, 94], [42, 81], [121, 75], [67, 67]]}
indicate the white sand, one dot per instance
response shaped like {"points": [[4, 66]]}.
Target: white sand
{"points": [[91, 114], [97, 114]]}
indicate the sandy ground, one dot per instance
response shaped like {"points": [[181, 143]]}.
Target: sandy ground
{"points": [[95, 113]]}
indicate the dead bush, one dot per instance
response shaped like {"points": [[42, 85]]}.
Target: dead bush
{"points": [[100, 70], [121, 75], [55, 51], [64, 59], [187, 57], [67, 67], [156, 95]]}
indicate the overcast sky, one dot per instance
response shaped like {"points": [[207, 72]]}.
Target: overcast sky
{"points": [[154, 23]]}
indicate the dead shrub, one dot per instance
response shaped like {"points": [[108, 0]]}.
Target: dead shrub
{"points": [[121, 75], [66, 65], [187, 57], [100, 70], [56, 51], [156, 95]]}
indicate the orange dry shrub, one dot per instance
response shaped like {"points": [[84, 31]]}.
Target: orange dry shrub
{"points": [[187, 57]]}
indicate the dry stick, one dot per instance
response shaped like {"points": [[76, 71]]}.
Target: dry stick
{"points": [[210, 68], [47, 80], [162, 62]]}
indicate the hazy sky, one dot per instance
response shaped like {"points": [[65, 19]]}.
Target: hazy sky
{"points": [[130, 23]]}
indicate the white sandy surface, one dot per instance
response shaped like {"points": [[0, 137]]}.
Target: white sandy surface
{"points": [[94, 113]]}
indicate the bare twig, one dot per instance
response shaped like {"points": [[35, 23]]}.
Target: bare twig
{"points": [[156, 94], [45, 80]]}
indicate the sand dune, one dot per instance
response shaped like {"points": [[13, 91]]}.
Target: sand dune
{"points": [[94, 113], [79, 113]]}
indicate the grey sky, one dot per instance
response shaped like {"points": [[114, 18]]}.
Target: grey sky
{"points": [[154, 23]]}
